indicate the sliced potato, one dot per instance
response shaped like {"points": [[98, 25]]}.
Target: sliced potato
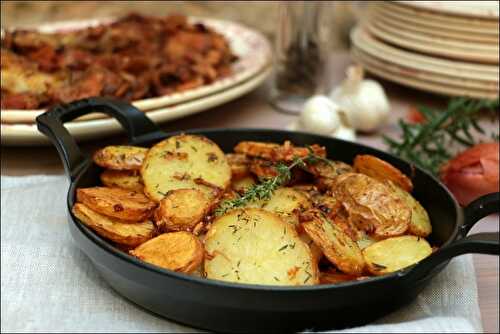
{"points": [[316, 252], [119, 231], [337, 246], [239, 165], [116, 202], [183, 162], [420, 224], [181, 210], [263, 169], [365, 240], [286, 203], [277, 152], [396, 253], [177, 251], [243, 184], [326, 203], [255, 246], [334, 277], [325, 172], [120, 157], [381, 170], [126, 179], [371, 205]]}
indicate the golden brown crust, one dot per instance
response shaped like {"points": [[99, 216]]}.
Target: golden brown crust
{"points": [[126, 179], [381, 170], [177, 251], [182, 210], [239, 165], [183, 162], [337, 246], [276, 152], [116, 202], [119, 231], [120, 157], [371, 205], [420, 224]]}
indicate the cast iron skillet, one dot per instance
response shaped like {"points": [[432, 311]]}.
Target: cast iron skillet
{"points": [[228, 307]]}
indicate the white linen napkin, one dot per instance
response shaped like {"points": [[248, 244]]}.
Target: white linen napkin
{"points": [[49, 285]]}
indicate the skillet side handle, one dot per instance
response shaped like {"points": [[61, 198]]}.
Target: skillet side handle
{"points": [[137, 125], [482, 243]]}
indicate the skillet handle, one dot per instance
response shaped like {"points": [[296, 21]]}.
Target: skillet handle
{"points": [[137, 125], [482, 243]]}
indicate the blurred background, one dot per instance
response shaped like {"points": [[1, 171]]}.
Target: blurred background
{"points": [[260, 15]]}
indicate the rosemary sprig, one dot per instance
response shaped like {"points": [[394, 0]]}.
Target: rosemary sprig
{"points": [[265, 189], [429, 145]]}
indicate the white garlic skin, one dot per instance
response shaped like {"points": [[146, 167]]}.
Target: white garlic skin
{"points": [[363, 100], [319, 115], [367, 109], [345, 133]]}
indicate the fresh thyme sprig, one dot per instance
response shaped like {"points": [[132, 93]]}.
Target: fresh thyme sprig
{"points": [[265, 189], [429, 144]]}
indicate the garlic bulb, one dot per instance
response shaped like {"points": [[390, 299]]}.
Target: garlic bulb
{"points": [[319, 115], [345, 133], [364, 101]]}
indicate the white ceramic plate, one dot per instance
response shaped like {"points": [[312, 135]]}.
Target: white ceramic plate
{"points": [[251, 47], [474, 8], [28, 135]]}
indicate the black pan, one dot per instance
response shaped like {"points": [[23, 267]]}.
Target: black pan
{"points": [[231, 307]]}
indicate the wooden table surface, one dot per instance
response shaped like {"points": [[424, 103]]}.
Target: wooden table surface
{"points": [[253, 111]]}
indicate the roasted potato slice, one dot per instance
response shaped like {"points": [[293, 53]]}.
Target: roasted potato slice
{"points": [[243, 184], [239, 165], [364, 240], [182, 210], [371, 205], [325, 172], [183, 162], [420, 224], [335, 277], [337, 246], [119, 231], [286, 203], [396, 253], [316, 252], [276, 152], [326, 203], [116, 202], [255, 246], [126, 179], [177, 251], [263, 169], [381, 170], [120, 157]]}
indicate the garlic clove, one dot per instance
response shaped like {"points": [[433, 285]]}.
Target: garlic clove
{"points": [[345, 133], [293, 126], [364, 101], [319, 115]]}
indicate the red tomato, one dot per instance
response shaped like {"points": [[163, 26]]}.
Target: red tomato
{"points": [[472, 173]]}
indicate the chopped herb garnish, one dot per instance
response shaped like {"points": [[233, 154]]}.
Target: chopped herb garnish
{"points": [[282, 248]]}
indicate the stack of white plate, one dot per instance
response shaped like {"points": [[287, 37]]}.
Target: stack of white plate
{"points": [[253, 66], [444, 47]]}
